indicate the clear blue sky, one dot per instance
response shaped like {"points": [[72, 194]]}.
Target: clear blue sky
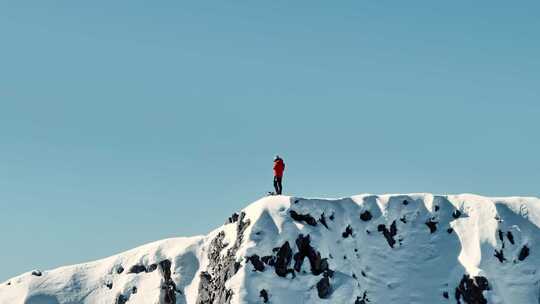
{"points": [[124, 122]]}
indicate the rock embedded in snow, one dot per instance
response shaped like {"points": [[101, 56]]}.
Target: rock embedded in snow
{"points": [[432, 225], [256, 262], [323, 288], [121, 299], [119, 270], [264, 295], [283, 260], [317, 264], [348, 232], [137, 269], [36, 273], [471, 290], [499, 254], [389, 234], [322, 220], [366, 216], [510, 237], [307, 218], [523, 253]]}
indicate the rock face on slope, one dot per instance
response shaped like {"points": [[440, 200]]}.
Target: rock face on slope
{"points": [[415, 248]]}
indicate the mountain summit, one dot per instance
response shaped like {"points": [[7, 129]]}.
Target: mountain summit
{"points": [[415, 248]]}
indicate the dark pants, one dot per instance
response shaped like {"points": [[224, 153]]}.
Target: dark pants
{"points": [[277, 184]]}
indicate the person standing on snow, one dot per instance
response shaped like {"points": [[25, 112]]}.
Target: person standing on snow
{"points": [[279, 167]]}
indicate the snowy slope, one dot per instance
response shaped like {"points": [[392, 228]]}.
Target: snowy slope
{"points": [[416, 248]]}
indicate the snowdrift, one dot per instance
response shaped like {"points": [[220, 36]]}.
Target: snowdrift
{"points": [[415, 248]]}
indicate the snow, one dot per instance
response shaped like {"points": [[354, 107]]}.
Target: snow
{"points": [[420, 268]]}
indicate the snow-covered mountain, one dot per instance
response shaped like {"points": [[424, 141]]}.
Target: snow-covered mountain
{"points": [[416, 248]]}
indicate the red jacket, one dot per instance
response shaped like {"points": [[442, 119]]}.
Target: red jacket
{"points": [[279, 167]]}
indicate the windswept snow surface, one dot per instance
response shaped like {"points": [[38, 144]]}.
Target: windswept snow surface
{"points": [[415, 248]]}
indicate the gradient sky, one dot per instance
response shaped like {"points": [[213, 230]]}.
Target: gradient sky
{"points": [[124, 122]]}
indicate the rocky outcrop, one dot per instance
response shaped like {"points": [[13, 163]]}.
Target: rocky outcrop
{"points": [[256, 262], [470, 290], [283, 260], [168, 286], [212, 289], [323, 288], [318, 265]]}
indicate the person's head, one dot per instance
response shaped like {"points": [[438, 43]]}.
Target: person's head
{"points": [[277, 157]]}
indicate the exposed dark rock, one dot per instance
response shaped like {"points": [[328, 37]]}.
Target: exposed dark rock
{"points": [[212, 289], [471, 290], [501, 235], [523, 253], [363, 273], [456, 214], [137, 269], [8, 283], [510, 237], [366, 216], [269, 260], [317, 264], [500, 255], [432, 225], [307, 218], [120, 269], [168, 286], [264, 294], [403, 219], [256, 262], [362, 300], [233, 218], [121, 299], [323, 288], [283, 260], [133, 290], [37, 273], [405, 202], [322, 220], [348, 232], [109, 284], [437, 208], [449, 230], [389, 234], [445, 294], [332, 216], [151, 268], [205, 295]]}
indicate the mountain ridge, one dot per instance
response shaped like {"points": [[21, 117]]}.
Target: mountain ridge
{"points": [[392, 248]]}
